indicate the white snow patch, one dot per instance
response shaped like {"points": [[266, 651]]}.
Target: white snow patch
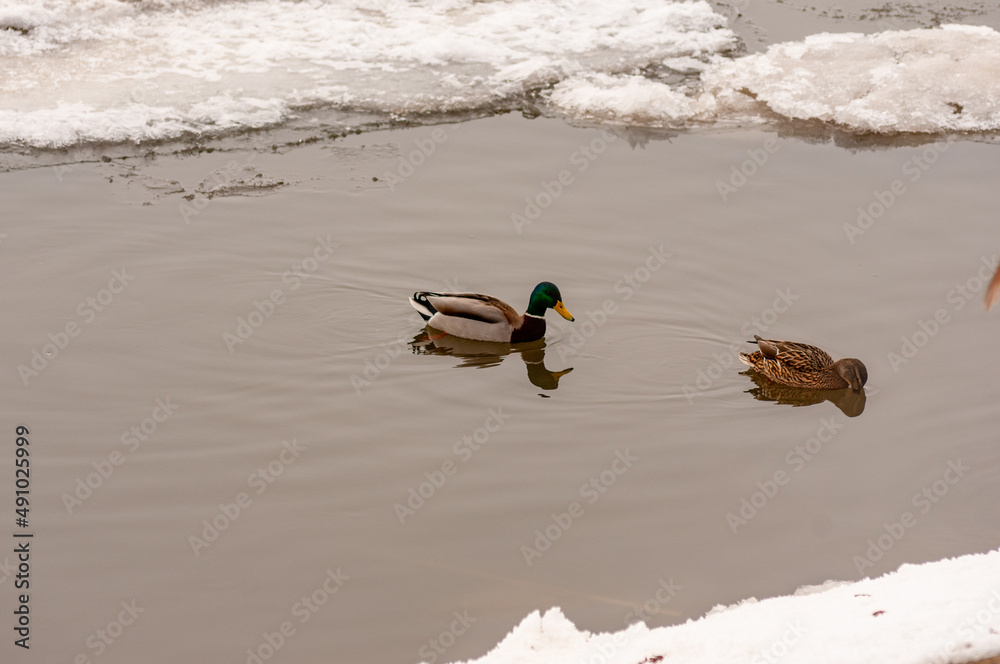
{"points": [[80, 71], [926, 80], [628, 99], [934, 613], [382, 56]]}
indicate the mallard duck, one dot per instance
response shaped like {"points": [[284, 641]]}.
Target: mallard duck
{"points": [[485, 318], [802, 365]]}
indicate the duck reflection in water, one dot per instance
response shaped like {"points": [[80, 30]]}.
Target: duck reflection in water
{"points": [[483, 354], [851, 403]]}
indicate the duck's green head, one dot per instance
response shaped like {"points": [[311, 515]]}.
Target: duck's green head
{"points": [[546, 296]]}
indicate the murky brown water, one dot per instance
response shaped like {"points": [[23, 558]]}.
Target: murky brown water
{"points": [[378, 495]]}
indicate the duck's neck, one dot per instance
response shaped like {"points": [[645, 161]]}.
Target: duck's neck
{"points": [[829, 379], [536, 308], [531, 329]]}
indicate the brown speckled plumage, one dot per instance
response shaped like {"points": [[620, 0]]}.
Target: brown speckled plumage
{"points": [[802, 365]]}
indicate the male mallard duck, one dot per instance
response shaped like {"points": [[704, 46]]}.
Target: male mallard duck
{"points": [[802, 365], [485, 318]]}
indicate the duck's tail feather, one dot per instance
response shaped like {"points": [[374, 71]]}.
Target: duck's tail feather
{"points": [[423, 305]]}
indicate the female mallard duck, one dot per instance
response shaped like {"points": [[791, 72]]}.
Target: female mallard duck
{"points": [[485, 318], [802, 365]]}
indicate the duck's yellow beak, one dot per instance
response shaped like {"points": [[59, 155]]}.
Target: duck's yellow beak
{"points": [[562, 311]]}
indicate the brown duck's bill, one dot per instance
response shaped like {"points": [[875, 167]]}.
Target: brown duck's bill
{"points": [[562, 311]]}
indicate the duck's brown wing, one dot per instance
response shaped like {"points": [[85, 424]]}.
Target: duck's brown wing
{"points": [[474, 306], [794, 355]]}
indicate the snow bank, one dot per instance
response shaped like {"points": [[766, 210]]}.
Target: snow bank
{"points": [[928, 80], [923, 81], [130, 71], [936, 613], [107, 70]]}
